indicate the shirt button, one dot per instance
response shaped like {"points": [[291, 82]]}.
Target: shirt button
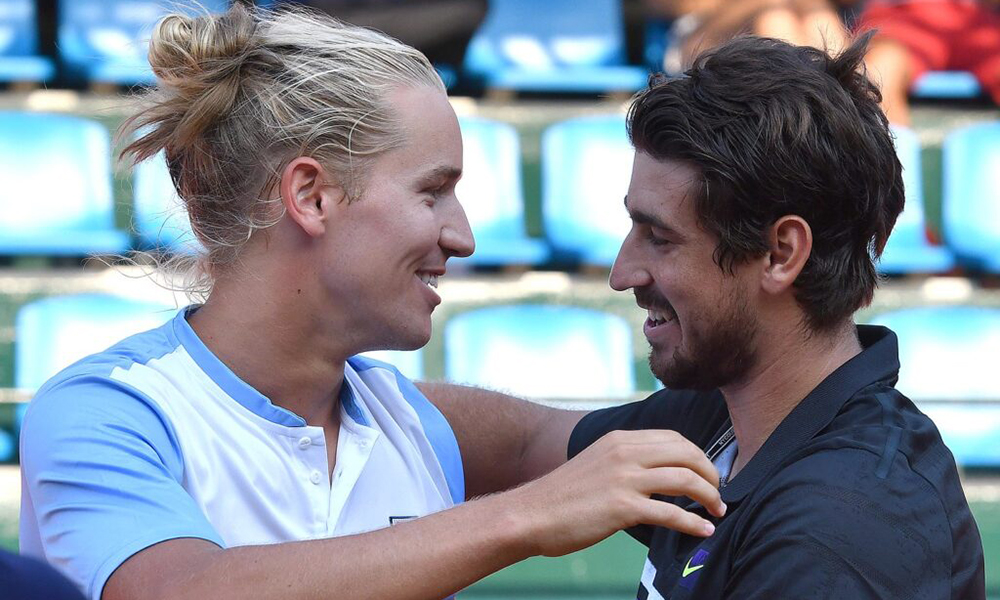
{"points": [[305, 443], [315, 477], [363, 444]]}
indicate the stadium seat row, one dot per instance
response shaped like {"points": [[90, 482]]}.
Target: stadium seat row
{"points": [[549, 351], [554, 46], [58, 195], [100, 41]]}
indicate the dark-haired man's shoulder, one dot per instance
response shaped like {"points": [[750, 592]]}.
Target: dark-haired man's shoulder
{"points": [[24, 578], [872, 506], [698, 416]]}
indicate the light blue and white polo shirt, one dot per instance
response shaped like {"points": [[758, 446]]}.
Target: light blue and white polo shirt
{"points": [[155, 439]]}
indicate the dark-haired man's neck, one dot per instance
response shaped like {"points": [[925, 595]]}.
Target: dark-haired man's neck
{"points": [[790, 364]]}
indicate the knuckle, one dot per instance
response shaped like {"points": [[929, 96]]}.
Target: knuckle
{"points": [[617, 452], [685, 477], [615, 437]]}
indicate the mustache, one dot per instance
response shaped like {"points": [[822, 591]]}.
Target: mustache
{"points": [[648, 297]]}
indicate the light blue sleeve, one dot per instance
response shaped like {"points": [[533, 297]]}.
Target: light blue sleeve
{"points": [[102, 472]]}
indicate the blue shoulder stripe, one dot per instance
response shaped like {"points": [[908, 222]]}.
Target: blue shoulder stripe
{"points": [[436, 427]]}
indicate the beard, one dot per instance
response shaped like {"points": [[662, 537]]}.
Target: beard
{"points": [[717, 350]]}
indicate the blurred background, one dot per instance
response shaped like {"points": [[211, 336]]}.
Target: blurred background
{"points": [[540, 88]]}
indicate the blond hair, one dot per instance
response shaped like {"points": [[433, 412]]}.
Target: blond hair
{"points": [[242, 93]]}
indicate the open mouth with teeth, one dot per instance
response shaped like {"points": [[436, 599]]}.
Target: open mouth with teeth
{"points": [[657, 317], [429, 279]]}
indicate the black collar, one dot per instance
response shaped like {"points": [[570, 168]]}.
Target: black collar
{"points": [[878, 361]]}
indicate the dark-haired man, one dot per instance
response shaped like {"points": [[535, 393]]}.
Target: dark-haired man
{"points": [[763, 184]]}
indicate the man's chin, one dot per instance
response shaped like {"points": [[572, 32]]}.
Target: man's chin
{"points": [[676, 373]]}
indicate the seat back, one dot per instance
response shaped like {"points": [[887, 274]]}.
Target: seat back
{"points": [[490, 188], [490, 192], [947, 357], [106, 40], [541, 351], [57, 194], [586, 166], [159, 217], [947, 353], [18, 28], [908, 249], [53, 333], [548, 35], [971, 202]]}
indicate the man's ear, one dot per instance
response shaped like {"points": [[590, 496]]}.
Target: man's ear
{"points": [[789, 246], [310, 194]]}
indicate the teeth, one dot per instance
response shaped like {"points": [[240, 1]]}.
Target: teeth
{"points": [[431, 280], [658, 317]]}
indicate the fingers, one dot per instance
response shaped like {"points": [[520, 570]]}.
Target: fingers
{"points": [[679, 452], [671, 516], [655, 449], [679, 481], [664, 448]]}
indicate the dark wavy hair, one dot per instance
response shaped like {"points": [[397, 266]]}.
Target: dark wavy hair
{"points": [[775, 129]]}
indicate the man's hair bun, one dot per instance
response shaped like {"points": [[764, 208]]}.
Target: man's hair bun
{"points": [[201, 59], [242, 93]]}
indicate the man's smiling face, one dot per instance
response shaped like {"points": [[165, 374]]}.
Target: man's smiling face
{"points": [[702, 324]]}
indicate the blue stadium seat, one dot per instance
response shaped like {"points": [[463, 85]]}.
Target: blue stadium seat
{"points": [[553, 46], [105, 40], [8, 446], [971, 200], [948, 358], [970, 430], [947, 353], [19, 58], [159, 218], [950, 85], [57, 197], [490, 192], [908, 249], [586, 166], [52, 333], [409, 363], [542, 351]]}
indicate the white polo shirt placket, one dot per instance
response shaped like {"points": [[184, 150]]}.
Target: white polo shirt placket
{"points": [[354, 449]]}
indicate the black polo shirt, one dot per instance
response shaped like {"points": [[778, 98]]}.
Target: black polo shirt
{"points": [[26, 578], [853, 496]]}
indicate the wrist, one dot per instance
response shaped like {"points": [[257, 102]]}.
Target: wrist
{"points": [[518, 529]]}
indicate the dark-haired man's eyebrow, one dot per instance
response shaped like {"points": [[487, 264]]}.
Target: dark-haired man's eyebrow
{"points": [[644, 218]]}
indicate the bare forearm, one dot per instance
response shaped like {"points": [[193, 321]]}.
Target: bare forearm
{"points": [[608, 487], [428, 558], [505, 441]]}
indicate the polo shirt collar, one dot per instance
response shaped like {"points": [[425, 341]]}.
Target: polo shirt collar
{"points": [[878, 361], [244, 393]]}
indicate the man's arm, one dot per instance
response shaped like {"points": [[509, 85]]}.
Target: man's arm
{"points": [[103, 471], [606, 488], [505, 441]]}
